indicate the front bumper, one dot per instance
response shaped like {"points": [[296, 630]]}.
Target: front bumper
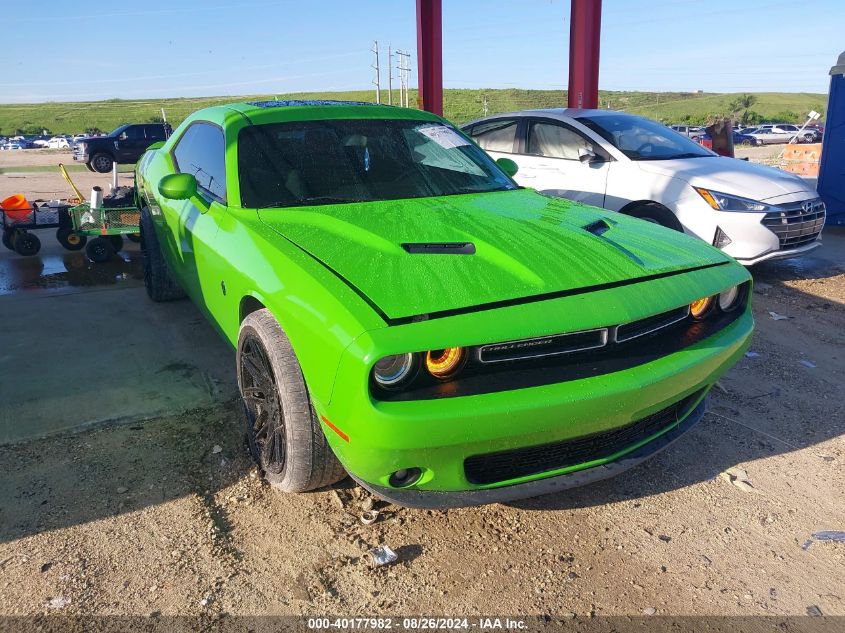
{"points": [[781, 254], [439, 435], [456, 499], [751, 240]]}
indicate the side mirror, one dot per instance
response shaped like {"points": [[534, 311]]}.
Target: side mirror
{"points": [[508, 166], [123, 136], [586, 155], [178, 186]]}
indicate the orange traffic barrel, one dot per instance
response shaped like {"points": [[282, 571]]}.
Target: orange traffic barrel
{"points": [[16, 207]]}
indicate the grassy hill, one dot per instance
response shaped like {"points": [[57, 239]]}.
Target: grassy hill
{"points": [[460, 106]]}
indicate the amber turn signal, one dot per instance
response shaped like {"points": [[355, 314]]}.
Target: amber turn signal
{"points": [[700, 307], [444, 363]]}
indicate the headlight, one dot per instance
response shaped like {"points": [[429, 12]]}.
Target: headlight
{"points": [[81, 146], [443, 363], [724, 202], [729, 299], [700, 308], [391, 371]]}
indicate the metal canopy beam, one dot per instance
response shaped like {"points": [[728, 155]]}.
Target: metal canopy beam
{"points": [[430, 54], [584, 40]]}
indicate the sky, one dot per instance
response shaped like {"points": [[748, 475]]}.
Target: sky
{"points": [[91, 50]]}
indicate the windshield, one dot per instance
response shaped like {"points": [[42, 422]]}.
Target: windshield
{"points": [[336, 161], [641, 139]]}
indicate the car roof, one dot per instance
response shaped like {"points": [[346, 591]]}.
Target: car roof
{"points": [[280, 111], [555, 113]]}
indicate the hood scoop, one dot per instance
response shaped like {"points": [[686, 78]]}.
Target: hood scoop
{"points": [[599, 227], [439, 248]]}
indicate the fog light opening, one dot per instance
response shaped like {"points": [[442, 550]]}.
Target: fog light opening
{"points": [[721, 238], [405, 477]]}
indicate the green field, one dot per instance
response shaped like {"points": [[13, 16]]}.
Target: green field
{"points": [[460, 106]]}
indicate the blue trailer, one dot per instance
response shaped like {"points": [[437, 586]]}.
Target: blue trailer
{"points": [[831, 185]]}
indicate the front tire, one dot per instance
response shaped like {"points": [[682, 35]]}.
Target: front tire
{"points": [[284, 435], [101, 163], [99, 250], [158, 281]]}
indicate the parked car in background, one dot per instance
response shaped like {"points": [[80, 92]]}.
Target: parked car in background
{"points": [[58, 142], [739, 139], [9, 145], [641, 168], [124, 145], [687, 130], [770, 133], [402, 310]]}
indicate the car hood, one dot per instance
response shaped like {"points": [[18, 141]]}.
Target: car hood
{"points": [[729, 175], [525, 244]]}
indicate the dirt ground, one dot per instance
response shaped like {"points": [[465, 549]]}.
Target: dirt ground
{"points": [[168, 516]]}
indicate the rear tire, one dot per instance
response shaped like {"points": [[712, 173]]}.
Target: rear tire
{"points": [[652, 212], [26, 244], [70, 240], [99, 250], [158, 281], [284, 434]]}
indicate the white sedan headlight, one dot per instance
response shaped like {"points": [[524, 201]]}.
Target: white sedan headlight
{"points": [[724, 202]]}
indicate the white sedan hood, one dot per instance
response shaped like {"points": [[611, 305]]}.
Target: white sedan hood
{"points": [[731, 176]]}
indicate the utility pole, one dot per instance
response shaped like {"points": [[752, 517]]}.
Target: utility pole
{"points": [[404, 66], [400, 67], [377, 78], [389, 75], [484, 106]]}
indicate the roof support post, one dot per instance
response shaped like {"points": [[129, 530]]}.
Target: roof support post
{"points": [[430, 55], [584, 40]]}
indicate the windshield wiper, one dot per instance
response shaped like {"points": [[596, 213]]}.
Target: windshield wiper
{"points": [[485, 190], [275, 205], [328, 199], [690, 155], [309, 201]]}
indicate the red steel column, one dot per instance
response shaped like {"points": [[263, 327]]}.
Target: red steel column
{"points": [[430, 54], [584, 40]]}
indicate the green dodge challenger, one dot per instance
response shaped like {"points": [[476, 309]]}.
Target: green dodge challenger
{"points": [[405, 313]]}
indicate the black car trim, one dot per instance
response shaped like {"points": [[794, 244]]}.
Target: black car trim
{"points": [[439, 248]]}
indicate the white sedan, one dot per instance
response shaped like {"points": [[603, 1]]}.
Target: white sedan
{"points": [[58, 142], [641, 168]]}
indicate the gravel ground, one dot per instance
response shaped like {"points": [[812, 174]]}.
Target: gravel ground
{"points": [[169, 517]]}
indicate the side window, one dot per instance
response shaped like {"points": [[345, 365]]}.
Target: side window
{"points": [[155, 133], [134, 133], [201, 152], [555, 141], [496, 136]]}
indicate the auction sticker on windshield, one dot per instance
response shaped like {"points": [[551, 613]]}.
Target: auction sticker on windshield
{"points": [[444, 136]]}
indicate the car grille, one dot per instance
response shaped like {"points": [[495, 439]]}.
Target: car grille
{"points": [[532, 460], [797, 225]]}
